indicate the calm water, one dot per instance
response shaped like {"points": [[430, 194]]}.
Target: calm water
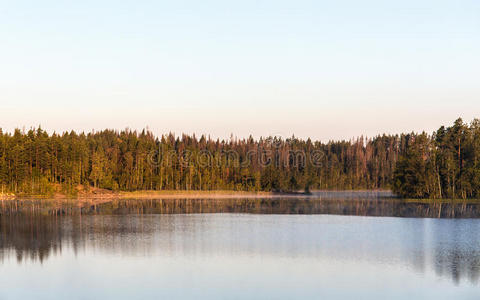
{"points": [[128, 255]]}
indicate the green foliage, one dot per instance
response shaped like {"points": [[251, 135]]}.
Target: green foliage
{"points": [[444, 165], [409, 175], [35, 162]]}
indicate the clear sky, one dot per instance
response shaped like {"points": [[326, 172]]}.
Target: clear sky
{"points": [[324, 69]]}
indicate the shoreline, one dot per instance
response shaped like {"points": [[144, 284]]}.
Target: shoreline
{"points": [[172, 194], [164, 194], [219, 194], [98, 197]]}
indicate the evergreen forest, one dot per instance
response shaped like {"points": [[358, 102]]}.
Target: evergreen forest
{"points": [[444, 164]]}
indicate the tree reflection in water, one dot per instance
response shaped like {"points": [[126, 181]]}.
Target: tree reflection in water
{"points": [[35, 230]]}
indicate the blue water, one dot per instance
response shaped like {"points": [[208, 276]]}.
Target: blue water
{"points": [[240, 256]]}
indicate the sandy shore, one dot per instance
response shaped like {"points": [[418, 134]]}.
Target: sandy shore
{"points": [[202, 194], [97, 196], [165, 194]]}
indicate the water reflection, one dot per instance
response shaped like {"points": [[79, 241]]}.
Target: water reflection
{"points": [[456, 251], [338, 203], [328, 245], [449, 248]]}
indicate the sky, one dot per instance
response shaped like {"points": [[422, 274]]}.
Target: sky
{"points": [[320, 69]]}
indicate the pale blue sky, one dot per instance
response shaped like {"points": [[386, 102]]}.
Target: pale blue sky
{"points": [[324, 69]]}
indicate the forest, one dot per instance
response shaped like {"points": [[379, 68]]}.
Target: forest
{"points": [[444, 164], [34, 162]]}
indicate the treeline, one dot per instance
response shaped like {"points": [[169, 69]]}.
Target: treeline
{"points": [[445, 164], [35, 162]]}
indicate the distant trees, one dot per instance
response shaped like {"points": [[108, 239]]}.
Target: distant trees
{"points": [[444, 165], [35, 162], [410, 175]]}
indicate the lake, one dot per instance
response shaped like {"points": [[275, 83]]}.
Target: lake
{"points": [[238, 249]]}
